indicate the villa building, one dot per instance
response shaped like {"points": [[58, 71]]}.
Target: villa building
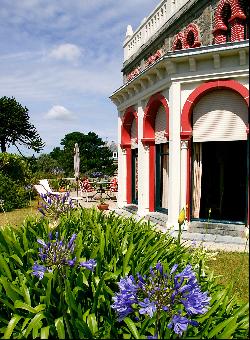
{"points": [[183, 119]]}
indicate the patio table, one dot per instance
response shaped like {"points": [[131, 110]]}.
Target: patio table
{"points": [[100, 188]]}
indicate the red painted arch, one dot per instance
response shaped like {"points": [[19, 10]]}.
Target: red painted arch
{"points": [[127, 121], [150, 113], [187, 110], [233, 85], [129, 116]]}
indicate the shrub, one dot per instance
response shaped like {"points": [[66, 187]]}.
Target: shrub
{"points": [[13, 194], [15, 179], [80, 305], [15, 167]]}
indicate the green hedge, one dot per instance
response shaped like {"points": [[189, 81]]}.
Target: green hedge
{"points": [[32, 308]]}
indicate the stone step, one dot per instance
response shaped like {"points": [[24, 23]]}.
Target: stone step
{"points": [[224, 229]]}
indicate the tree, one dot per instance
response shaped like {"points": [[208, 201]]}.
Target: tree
{"points": [[15, 127], [94, 155]]}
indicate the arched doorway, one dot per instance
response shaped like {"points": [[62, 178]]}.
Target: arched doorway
{"points": [[216, 115], [155, 135], [129, 132]]}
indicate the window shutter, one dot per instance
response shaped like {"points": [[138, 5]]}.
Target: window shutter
{"points": [[160, 126], [221, 115], [134, 135]]}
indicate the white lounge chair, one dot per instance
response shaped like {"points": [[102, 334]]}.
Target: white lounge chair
{"points": [[42, 191], [45, 184]]}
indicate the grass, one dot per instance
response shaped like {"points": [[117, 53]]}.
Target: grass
{"points": [[228, 265], [16, 217], [233, 266]]}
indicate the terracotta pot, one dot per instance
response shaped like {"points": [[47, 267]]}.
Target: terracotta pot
{"points": [[61, 190], [103, 206]]}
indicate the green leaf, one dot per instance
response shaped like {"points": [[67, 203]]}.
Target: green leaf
{"points": [[45, 332], [11, 325], [26, 294], [5, 267], [229, 330], [11, 290], [216, 330], [34, 323], [60, 328], [91, 321], [132, 327], [127, 258], [17, 259], [83, 328], [37, 309]]}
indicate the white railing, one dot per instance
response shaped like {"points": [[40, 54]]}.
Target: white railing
{"points": [[149, 26]]}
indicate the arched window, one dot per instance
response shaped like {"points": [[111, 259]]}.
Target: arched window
{"points": [[178, 45], [226, 15], [231, 21], [244, 5], [192, 36], [179, 42]]}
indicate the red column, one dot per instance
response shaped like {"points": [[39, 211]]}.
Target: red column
{"points": [[129, 175], [152, 177], [188, 191]]}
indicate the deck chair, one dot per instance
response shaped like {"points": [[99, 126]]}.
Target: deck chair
{"points": [[45, 184], [40, 189]]}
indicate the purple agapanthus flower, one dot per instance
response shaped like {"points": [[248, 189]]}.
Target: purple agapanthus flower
{"points": [[90, 264], [126, 297], [55, 205], [39, 270], [162, 292], [148, 307], [179, 323], [58, 253]]}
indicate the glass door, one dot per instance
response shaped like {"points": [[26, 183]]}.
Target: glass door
{"points": [[162, 163], [134, 176]]}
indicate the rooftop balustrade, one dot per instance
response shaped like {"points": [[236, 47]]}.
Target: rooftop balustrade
{"points": [[150, 25]]}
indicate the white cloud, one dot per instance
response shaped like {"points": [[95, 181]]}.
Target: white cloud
{"points": [[59, 112], [68, 52]]}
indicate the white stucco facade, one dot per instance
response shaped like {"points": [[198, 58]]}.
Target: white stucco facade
{"points": [[174, 77]]}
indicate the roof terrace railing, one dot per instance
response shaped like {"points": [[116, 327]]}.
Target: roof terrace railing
{"points": [[150, 25]]}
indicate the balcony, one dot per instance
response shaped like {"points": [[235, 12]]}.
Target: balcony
{"points": [[150, 25]]}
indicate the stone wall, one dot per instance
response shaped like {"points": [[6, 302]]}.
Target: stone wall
{"points": [[201, 14]]}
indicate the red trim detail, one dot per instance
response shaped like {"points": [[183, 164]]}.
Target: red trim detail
{"points": [[201, 91], [127, 122], [152, 177], [179, 37], [129, 175], [128, 118], [192, 28], [237, 28], [188, 192], [149, 138]]}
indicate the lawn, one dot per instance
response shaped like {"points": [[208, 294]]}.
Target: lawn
{"points": [[232, 266], [229, 266], [16, 217]]}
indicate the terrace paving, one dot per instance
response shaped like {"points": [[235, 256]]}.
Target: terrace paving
{"points": [[208, 241]]}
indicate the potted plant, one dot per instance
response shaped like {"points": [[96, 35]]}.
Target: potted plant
{"points": [[102, 205]]}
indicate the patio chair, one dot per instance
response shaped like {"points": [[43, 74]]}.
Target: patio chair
{"points": [[45, 184], [113, 187], [86, 189]]}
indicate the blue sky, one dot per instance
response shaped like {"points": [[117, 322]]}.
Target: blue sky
{"points": [[62, 60]]}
